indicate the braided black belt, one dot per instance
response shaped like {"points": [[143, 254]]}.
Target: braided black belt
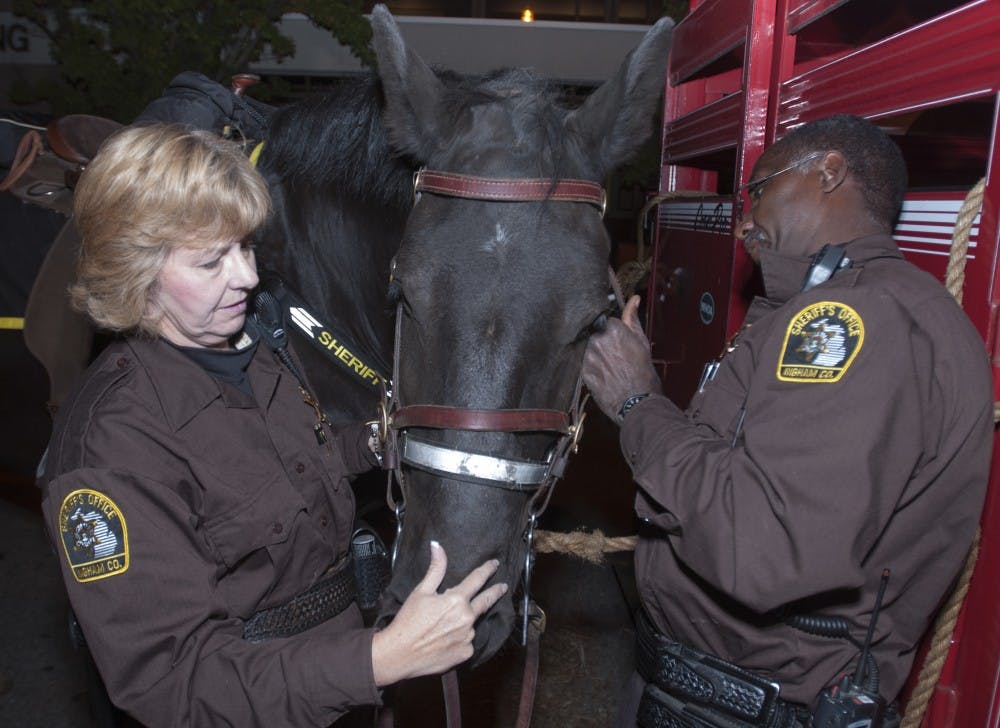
{"points": [[320, 602], [690, 688]]}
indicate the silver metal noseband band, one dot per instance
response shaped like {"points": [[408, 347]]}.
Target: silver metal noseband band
{"points": [[499, 472]]}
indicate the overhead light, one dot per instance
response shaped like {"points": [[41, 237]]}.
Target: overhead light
{"points": [[527, 16]]}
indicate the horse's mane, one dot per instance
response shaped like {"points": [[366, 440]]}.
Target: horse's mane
{"points": [[336, 140]]}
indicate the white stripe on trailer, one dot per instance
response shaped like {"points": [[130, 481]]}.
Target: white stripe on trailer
{"points": [[932, 223], [921, 222]]}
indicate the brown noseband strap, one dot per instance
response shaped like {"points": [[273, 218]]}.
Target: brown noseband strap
{"points": [[453, 418], [510, 190]]}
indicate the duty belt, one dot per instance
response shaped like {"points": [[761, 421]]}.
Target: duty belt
{"points": [[324, 600], [689, 688]]}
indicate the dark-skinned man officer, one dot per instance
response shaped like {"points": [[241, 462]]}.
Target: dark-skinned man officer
{"points": [[845, 432]]}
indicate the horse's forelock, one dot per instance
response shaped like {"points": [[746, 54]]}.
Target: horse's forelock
{"points": [[534, 110]]}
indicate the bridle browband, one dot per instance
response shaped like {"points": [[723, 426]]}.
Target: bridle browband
{"points": [[498, 189]]}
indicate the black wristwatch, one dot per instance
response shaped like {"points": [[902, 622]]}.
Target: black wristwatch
{"points": [[629, 404]]}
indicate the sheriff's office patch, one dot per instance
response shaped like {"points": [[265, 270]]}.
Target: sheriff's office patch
{"points": [[94, 535], [821, 342]]}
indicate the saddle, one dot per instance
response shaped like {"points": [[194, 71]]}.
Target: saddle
{"points": [[77, 137], [47, 165]]}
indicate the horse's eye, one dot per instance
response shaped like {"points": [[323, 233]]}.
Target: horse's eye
{"points": [[594, 327]]}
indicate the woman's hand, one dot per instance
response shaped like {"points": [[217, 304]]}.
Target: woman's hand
{"points": [[433, 632]]}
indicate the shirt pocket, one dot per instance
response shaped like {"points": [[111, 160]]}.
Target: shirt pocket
{"points": [[259, 526]]}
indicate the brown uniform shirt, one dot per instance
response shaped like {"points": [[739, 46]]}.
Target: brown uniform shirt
{"points": [[180, 506], [865, 445]]}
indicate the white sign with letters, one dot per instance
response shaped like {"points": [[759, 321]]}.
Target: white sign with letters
{"points": [[22, 42]]}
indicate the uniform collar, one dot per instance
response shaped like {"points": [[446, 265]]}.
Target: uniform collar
{"points": [[862, 250], [184, 389], [783, 275]]}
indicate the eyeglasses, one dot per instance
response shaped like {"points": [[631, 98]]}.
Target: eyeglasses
{"points": [[755, 188]]}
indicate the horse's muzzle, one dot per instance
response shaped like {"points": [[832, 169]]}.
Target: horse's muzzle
{"points": [[492, 629]]}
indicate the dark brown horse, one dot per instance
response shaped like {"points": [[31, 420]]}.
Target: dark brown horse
{"points": [[501, 275]]}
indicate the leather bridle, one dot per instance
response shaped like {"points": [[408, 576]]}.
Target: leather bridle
{"points": [[536, 478], [500, 189], [400, 447]]}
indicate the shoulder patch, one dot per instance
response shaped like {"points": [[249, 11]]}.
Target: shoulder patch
{"points": [[94, 535], [821, 342]]}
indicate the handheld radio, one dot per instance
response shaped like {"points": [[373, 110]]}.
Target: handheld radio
{"points": [[849, 703]]}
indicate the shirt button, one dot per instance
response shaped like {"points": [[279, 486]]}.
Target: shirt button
{"points": [[122, 363], [277, 528], [324, 521], [300, 468]]}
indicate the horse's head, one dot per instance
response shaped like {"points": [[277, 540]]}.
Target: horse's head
{"points": [[496, 296]]}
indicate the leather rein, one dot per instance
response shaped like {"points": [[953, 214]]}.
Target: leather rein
{"points": [[536, 478]]}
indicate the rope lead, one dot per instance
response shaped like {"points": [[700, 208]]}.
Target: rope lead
{"points": [[587, 546]]}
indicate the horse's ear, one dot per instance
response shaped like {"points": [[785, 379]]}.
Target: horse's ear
{"points": [[618, 117], [413, 94]]}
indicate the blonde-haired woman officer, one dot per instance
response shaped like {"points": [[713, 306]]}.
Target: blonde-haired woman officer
{"points": [[203, 531]]}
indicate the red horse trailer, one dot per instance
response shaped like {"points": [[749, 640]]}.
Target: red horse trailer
{"points": [[744, 72]]}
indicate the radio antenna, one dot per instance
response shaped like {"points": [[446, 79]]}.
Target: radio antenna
{"points": [[863, 658]]}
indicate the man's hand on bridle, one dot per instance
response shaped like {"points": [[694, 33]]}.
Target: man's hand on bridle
{"points": [[618, 364]]}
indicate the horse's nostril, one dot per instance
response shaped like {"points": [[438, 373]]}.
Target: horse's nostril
{"points": [[492, 631]]}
